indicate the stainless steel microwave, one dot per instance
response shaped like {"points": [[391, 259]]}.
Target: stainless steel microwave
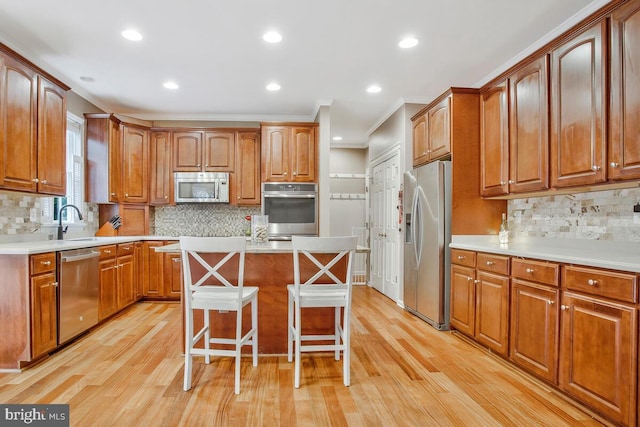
{"points": [[201, 187]]}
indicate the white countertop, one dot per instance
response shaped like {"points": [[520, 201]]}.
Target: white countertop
{"points": [[270, 247], [623, 256], [41, 246]]}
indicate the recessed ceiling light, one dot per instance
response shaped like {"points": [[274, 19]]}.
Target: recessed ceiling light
{"points": [[87, 79], [273, 87], [408, 42], [171, 85], [337, 138], [132, 35], [374, 89], [272, 37]]}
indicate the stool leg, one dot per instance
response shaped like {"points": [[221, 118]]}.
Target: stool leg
{"points": [[289, 328], [336, 331], [188, 344], [207, 337], [254, 326], [297, 334]]}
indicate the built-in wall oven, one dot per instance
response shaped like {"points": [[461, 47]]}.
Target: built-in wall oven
{"points": [[292, 209]]}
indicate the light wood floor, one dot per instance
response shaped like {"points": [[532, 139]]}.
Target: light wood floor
{"points": [[128, 372]]}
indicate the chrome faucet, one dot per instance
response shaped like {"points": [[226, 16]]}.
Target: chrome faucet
{"points": [[61, 231]]}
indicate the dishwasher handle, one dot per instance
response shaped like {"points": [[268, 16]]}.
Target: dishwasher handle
{"points": [[79, 257]]}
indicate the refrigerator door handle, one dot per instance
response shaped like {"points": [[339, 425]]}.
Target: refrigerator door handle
{"points": [[417, 227]]}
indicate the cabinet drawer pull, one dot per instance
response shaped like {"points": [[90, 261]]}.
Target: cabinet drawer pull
{"points": [[529, 270], [107, 251], [45, 262], [592, 282], [490, 262], [564, 307], [461, 257]]}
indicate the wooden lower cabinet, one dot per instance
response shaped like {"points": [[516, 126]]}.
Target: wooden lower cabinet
{"points": [[463, 299], [598, 355], [126, 281], [44, 326], [108, 293], [534, 328], [492, 311], [162, 273]]}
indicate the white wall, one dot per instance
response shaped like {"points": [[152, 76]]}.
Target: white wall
{"points": [[346, 214]]}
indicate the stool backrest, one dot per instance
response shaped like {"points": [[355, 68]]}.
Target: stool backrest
{"points": [[193, 248], [308, 246]]}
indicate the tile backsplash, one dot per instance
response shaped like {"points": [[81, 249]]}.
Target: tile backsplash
{"points": [[599, 215], [18, 209], [202, 220]]}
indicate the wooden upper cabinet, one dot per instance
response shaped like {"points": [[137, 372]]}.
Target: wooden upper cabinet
{"points": [[529, 128], [135, 164], [438, 129], [204, 151], [161, 176], [578, 106], [187, 151], [33, 121], [52, 138], [246, 178], [289, 153], [219, 151], [432, 132], [103, 160], [494, 141], [18, 125], [303, 154], [420, 155], [624, 144]]}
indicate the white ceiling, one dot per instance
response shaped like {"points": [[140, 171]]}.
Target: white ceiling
{"points": [[331, 51]]}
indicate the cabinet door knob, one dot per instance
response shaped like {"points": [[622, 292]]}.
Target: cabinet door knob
{"points": [[44, 181], [512, 181], [285, 173], [469, 279], [592, 282], [564, 307], [198, 164], [55, 284], [595, 168], [476, 281], [295, 173], [529, 270], [206, 166], [126, 194], [503, 182], [551, 302], [166, 197], [490, 262], [35, 180], [177, 259], [614, 164], [113, 194]]}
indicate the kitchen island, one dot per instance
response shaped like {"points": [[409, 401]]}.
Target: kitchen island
{"points": [[269, 266]]}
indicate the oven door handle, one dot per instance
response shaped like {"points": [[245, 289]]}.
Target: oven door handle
{"points": [[298, 196]]}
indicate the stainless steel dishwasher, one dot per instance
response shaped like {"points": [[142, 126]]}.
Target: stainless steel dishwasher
{"points": [[78, 292]]}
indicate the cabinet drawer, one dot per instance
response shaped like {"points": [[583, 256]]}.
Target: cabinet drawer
{"points": [[107, 251], [494, 263], [43, 263], [461, 257], [535, 271], [608, 284], [126, 248]]}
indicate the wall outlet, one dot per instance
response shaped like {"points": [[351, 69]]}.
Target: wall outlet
{"points": [[90, 216]]}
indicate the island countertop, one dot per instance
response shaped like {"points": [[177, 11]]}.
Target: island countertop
{"points": [[270, 247]]}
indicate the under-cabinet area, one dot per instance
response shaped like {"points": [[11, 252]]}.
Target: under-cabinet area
{"points": [[574, 326]]}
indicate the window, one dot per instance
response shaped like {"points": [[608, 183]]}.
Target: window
{"points": [[75, 176]]}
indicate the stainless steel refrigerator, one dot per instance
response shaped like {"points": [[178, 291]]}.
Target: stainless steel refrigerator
{"points": [[427, 214]]}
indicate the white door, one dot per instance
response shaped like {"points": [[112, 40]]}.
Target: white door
{"points": [[385, 237]]}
